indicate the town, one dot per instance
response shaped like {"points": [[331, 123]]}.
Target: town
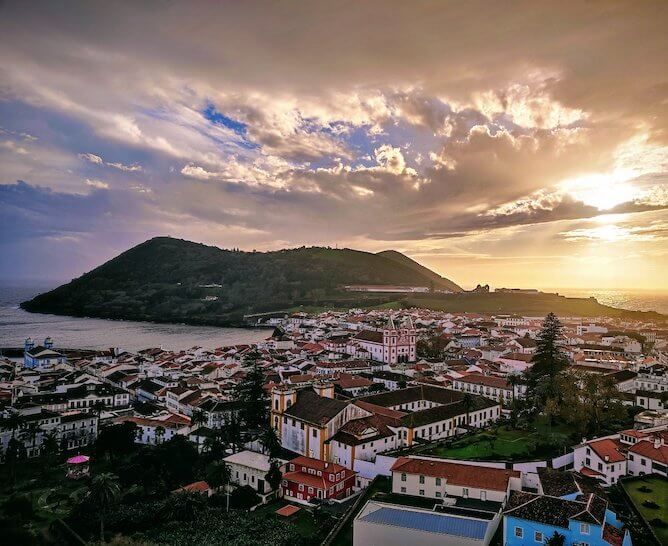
{"points": [[347, 428]]}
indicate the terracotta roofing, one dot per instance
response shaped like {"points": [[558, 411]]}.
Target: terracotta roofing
{"points": [[199, 487], [517, 356], [612, 535], [555, 511], [485, 380], [481, 477], [288, 510], [608, 447], [370, 335], [648, 449], [413, 394], [366, 429], [379, 410], [315, 409]]}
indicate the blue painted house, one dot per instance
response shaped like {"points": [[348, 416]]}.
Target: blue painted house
{"points": [[41, 356], [587, 520]]}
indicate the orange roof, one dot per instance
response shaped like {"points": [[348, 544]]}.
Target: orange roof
{"points": [[458, 474], [200, 487], [646, 448], [288, 510], [607, 447]]}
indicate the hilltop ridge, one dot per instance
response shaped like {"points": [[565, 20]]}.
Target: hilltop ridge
{"points": [[173, 280]]}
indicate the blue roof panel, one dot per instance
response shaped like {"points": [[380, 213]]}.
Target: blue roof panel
{"points": [[429, 522]]}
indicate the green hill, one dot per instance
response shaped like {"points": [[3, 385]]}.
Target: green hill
{"points": [[437, 280], [172, 280]]}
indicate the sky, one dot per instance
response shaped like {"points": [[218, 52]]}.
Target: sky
{"points": [[520, 144]]}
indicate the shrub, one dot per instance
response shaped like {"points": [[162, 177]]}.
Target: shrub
{"points": [[650, 504], [19, 506], [244, 497]]}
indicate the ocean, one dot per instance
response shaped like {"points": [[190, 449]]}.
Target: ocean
{"points": [[88, 333], [634, 300]]}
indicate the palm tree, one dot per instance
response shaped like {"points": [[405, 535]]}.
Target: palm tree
{"points": [[198, 418], [556, 539], [467, 403], [513, 380], [218, 474], [103, 493], [15, 421], [31, 431], [99, 407], [159, 434], [270, 441]]}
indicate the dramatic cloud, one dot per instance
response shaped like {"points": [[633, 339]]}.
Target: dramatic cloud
{"points": [[459, 133]]}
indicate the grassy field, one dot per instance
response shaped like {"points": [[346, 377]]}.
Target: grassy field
{"points": [[303, 519], [508, 444], [655, 490]]}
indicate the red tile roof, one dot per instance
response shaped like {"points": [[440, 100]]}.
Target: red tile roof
{"points": [[458, 474], [647, 448], [607, 447], [288, 510]]}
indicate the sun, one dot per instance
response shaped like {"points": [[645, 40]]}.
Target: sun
{"points": [[603, 191]]}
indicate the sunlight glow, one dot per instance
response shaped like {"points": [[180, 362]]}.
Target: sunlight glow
{"points": [[603, 191]]}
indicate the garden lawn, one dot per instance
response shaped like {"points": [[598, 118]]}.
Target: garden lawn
{"points": [[658, 494], [509, 444], [303, 519]]}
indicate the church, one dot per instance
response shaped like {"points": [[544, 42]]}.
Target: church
{"points": [[392, 344]]}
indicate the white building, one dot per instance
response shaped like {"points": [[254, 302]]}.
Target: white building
{"points": [[390, 345], [250, 468]]}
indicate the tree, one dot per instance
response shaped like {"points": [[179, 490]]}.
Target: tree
{"points": [[198, 418], [50, 450], [547, 362], [30, 431], [99, 407], [250, 391], [467, 403], [184, 506], [117, 440], [14, 422], [513, 380], [15, 452], [103, 492], [274, 476], [159, 434], [218, 473], [591, 402], [213, 448], [556, 539], [231, 432], [270, 441]]}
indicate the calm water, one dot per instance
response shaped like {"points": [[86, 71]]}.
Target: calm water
{"points": [[83, 333], [635, 300]]}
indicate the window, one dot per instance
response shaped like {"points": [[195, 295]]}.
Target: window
{"points": [[538, 537], [421, 492], [465, 492], [403, 477], [315, 433], [403, 489], [483, 495], [519, 533], [438, 481], [421, 479], [584, 528], [438, 494]]}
